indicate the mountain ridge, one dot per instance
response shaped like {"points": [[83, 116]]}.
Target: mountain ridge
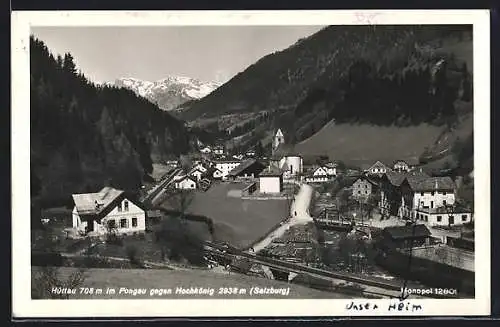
{"points": [[169, 92]]}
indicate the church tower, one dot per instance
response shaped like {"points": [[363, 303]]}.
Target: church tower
{"points": [[279, 138]]}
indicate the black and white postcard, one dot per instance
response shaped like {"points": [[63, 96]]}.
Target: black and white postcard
{"points": [[267, 163]]}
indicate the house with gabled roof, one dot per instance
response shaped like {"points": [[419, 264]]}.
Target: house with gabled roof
{"points": [[363, 187], [378, 168], [419, 192], [250, 168], [184, 183], [97, 213], [400, 166], [390, 190]]}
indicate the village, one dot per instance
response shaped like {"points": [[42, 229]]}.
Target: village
{"points": [[368, 222]]}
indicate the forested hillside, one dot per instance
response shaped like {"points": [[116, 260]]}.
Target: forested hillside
{"points": [[84, 136], [381, 75]]}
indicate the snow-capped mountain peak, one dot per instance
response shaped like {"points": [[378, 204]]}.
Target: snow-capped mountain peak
{"points": [[169, 92]]}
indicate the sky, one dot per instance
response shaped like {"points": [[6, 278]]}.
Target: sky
{"points": [[208, 53]]}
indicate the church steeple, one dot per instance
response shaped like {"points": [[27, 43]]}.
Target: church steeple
{"points": [[279, 138]]}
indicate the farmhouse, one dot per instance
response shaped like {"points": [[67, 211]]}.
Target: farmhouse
{"points": [[197, 173], [248, 168], [363, 187], [390, 190], [219, 150], [201, 167], [184, 183], [226, 166], [400, 166], [405, 237], [271, 180], [109, 208], [321, 174], [425, 193], [378, 168]]}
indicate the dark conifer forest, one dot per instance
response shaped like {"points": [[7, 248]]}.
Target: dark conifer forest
{"points": [[85, 136]]}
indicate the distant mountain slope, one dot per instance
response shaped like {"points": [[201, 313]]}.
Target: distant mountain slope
{"points": [[362, 143], [84, 136], [170, 92], [380, 75]]}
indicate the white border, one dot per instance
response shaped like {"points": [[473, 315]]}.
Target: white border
{"points": [[23, 306]]}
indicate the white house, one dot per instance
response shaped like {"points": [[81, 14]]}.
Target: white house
{"points": [[444, 216], [217, 174], [200, 167], [271, 181], [324, 171], [422, 193], [226, 166], [206, 149], [401, 166], [184, 183], [321, 174], [96, 213], [219, 150], [378, 168], [196, 173]]}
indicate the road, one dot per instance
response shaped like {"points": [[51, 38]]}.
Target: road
{"points": [[158, 190], [299, 212]]}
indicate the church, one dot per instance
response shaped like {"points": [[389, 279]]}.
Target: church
{"points": [[285, 157]]}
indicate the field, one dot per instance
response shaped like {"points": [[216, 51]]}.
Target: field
{"points": [[364, 144], [238, 222], [156, 278]]}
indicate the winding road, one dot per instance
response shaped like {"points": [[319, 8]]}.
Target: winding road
{"points": [[299, 213]]}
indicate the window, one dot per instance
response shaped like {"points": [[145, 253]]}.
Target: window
{"points": [[444, 203], [421, 193], [422, 203], [426, 218], [432, 204], [464, 217], [359, 192], [123, 223], [111, 223], [432, 193], [444, 193], [134, 222], [125, 204], [439, 218], [119, 207], [366, 186]]}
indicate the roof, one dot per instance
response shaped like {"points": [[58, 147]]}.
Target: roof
{"points": [[284, 150], [377, 164], [405, 232], [181, 178], [95, 203], [226, 161], [279, 133], [243, 166], [421, 184], [271, 171], [396, 178], [369, 180], [446, 210]]}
